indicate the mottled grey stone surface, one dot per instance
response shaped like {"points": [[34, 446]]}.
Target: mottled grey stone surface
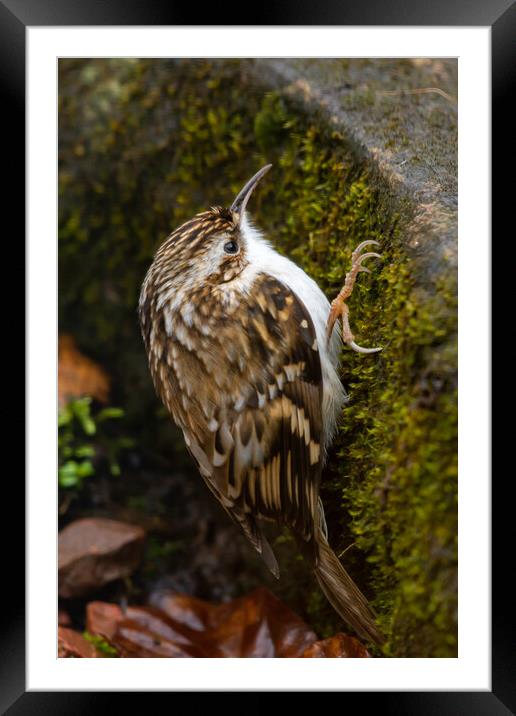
{"points": [[401, 117]]}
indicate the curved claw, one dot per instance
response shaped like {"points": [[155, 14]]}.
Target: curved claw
{"points": [[359, 349], [367, 242], [367, 256]]}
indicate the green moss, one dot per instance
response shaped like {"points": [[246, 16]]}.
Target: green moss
{"points": [[143, 146]]}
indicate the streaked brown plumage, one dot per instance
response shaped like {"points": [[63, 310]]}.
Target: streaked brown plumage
{"points": [[237, 349]]}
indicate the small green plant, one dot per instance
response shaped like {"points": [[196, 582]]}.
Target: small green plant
{"points": [[85, 441], [101, 644]]}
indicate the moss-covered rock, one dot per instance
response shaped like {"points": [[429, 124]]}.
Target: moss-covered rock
{"points": [[144, 144]]}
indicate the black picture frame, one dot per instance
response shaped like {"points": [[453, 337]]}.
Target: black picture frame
{"points": [[15, 16]]}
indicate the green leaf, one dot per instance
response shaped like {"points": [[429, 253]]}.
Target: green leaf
{"points": [[81, 409], [64, 418], [88, 426], [125, 442], [101, 644], [67, 474], [107, 413], [85, 451], [85, 469]]}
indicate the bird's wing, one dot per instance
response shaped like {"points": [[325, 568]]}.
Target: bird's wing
{"points": [[262, 454]]}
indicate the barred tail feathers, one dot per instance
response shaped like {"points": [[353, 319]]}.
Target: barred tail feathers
{"points": [[343, 594]]}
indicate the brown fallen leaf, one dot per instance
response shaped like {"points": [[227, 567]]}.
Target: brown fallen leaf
{"points": [[177, 625], [256, 625], [95, 551], [79, 375], [63, 618], [102, 618], [134, 639], [72, 644], [339, 646]]}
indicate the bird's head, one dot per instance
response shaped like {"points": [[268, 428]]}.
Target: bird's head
{"points": [[210, 248]]}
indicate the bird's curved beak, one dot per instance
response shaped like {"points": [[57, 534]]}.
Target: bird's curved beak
{"points": [[238, 206]]}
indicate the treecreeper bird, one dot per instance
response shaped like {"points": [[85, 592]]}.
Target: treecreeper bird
{"points": [[243, 353]]}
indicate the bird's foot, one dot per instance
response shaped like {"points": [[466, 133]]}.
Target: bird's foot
{"points": [[339, 307]]}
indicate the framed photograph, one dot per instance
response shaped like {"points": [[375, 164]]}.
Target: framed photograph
{"points": [[254, 255]]}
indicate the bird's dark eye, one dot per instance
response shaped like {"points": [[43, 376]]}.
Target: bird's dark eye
{"points": [[231, 247]]}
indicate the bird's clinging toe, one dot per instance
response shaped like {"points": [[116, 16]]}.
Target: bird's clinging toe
{"points": [[359, 349], [339, 307], [366, 256]]}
